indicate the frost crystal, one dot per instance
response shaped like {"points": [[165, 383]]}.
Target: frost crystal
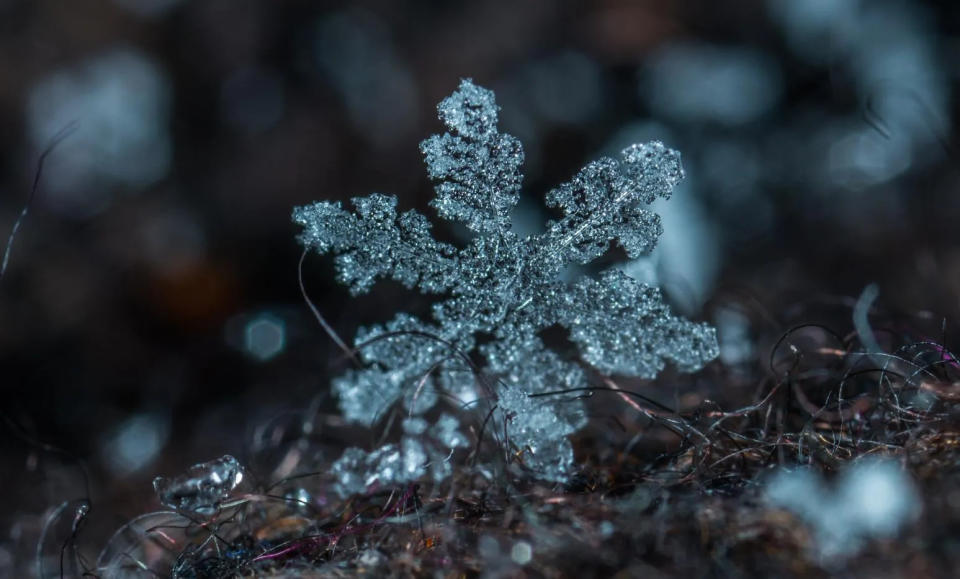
{"points": [[201, 489], [504, 287]]}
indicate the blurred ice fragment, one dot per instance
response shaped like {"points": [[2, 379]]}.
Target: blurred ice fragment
{"points": [[607, 529], [135, 443], [733, 333], [701, 83], [252, 100], [888, 47], [872, 500], [521, 553], [863, 157], [201, 489], [121, 104], [817, 28], [264, 337], [879, 497], [354, 50]]}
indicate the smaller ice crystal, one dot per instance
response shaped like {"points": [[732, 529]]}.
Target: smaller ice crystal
{"points": [[202, 488]]}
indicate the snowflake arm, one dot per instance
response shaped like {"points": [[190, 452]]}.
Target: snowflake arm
{"points": [[604, 203], [404, 359], [375, 242], [476, 169], [538, 427], [623, 327]]}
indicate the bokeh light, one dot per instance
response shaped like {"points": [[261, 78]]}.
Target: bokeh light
{"points": [[264, 337], [120, 103]]}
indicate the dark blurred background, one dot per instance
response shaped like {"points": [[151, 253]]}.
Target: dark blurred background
{"points": [[151, 316]]}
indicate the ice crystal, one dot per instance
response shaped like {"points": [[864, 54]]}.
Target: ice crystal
{"points": [[505, 287], [201, 489]]}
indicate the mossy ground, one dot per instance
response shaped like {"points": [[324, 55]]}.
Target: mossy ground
{"points": [[663, 492]]}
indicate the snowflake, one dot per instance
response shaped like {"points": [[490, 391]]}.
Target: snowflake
{"points": [[504, 288]]}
